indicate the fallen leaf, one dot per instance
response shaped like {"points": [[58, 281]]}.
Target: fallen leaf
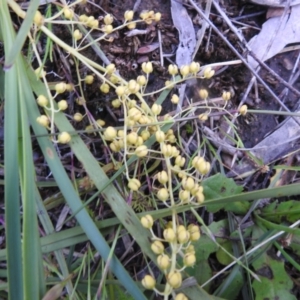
{"points": [[276, 33]]}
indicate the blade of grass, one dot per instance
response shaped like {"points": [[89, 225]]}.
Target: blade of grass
{"points": [[75, 203], [34, 285], [49, 228], [18, 42], [11, 178]]}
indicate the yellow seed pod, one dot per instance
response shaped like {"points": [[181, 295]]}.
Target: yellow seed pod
{"points": [[38, 19], [139, 142], [196, 189], [104, 88], [143, 119], [163, 261], [200, 197], [174, 279], [42, 101], [134, 184], [188, 183], [131, 26], [189, 259], [175, 99], [43, 120], [121, 143], [180, 161], [196, 160], [147, 67], [148, 282], [128, 15], [144, 14], [62, 105], [203, 94], [89, 20], [110, 133], [130, 123], [173, 69], [77, 35], [141, 80], [134, 114], [194, 231], [226, 96], [184, 196], [132, 138], [111, 68], [243, 110], [94, 24], [194, 67], [133, 86], [172, 139], [184, 70], [190, 249], [169, 235], [40, 72], [131, 103], [163, 194], [183, 236], [156, 109], [145, 134], [169, 224], [203, 117], [203, 167], [108, 19], [116, 103], [89, 79], [77, 117], [115, 146], [114, 79], [100, 122], [169, 84], [157, 247], [160, 136], [120, 90], [180, 228], [157, 17], [162, 177], [121, 133], [208, 73], [174, 152], [68, 13], [60, 87], [83, 18], [181, 296], [69, 87], [147, 221], [64, 137], [141, 151], [166, 150]]}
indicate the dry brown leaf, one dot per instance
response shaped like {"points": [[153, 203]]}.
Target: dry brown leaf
{"points": [[187, 36], [276, 33]]}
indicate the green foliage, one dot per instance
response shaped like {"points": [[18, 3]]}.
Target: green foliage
{"points": [[284, 211], [218, 187]]}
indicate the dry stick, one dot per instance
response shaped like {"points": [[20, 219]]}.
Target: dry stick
{"points": [[201, 32]]}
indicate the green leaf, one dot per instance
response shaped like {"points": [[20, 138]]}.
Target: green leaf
{"points": [[275, 282], [285, 211], [219, 186]]}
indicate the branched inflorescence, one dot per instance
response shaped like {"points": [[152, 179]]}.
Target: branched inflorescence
{"points": [[179, 181]]}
